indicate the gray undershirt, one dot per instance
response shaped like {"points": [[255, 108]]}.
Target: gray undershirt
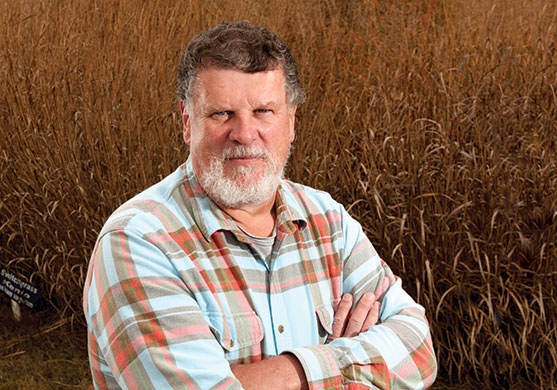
{"points": [[263, 245]]}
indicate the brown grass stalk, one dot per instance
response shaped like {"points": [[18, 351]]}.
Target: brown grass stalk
{"points": [[432, 121]]}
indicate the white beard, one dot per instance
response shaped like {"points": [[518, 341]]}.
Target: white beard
{"points": [[229, 191]]}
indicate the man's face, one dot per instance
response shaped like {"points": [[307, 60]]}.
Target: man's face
{"points": [[239, 128]]}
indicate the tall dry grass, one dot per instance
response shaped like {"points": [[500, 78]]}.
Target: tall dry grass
{"points": [[434, 122]]}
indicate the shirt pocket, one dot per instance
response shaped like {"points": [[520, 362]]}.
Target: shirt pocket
{"points": [[239, 334]]}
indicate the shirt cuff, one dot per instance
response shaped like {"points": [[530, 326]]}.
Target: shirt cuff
{"points": [[320, 366]]}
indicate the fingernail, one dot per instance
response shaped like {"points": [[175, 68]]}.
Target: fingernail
{"points": [[347, 297], [369, 296]]}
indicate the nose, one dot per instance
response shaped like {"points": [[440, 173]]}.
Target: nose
{"points": [[244, 128]]}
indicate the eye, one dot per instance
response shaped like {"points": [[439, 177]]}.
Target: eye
{"points": [[262, 111], [221, 115]]}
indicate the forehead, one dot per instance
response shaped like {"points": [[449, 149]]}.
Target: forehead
{"points": [[226, 86]]}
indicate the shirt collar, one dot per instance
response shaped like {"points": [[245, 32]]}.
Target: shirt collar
{"points": [[210, 218]]}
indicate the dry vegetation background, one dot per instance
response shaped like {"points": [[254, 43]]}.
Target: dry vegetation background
{"points": [[434, 122]]}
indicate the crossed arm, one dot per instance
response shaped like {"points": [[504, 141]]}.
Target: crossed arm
{"points": [[136, 337], [285, 371]]}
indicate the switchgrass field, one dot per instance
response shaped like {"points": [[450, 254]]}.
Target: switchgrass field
{"points": [[433, 121]]}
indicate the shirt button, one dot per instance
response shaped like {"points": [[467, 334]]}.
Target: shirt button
{"points": [[231, 343], [281, 328]]}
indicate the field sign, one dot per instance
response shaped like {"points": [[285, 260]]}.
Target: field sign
{"points": [[18, 290]]}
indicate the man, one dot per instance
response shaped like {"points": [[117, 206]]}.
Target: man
{"points": [[226, 276]]}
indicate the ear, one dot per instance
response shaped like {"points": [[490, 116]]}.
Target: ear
{"points": [[186, 121], [291, 120]]}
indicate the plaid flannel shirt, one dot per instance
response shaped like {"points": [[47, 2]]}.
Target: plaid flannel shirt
{"points": [[176, 292]]}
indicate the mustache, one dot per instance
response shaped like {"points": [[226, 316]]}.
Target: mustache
{"points": [[243, 151]]}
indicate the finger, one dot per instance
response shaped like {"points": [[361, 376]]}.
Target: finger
{"points": [[372, 317], [359, 315], [341, 316]]}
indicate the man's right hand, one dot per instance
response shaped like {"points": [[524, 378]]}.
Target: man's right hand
{"points": [[348, 323]]}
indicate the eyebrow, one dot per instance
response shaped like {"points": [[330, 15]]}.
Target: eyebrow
{"points": [[270, 103]]}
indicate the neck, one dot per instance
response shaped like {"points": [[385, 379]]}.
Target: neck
{"points": [[258, 220]]}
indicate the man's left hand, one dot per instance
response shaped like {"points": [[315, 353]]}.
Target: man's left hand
{"points": [[348, 323]]}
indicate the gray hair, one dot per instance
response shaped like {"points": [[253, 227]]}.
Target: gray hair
{"points": [[241, 46]]}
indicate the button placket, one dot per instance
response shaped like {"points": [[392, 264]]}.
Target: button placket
{"points": [[279, 315]]}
